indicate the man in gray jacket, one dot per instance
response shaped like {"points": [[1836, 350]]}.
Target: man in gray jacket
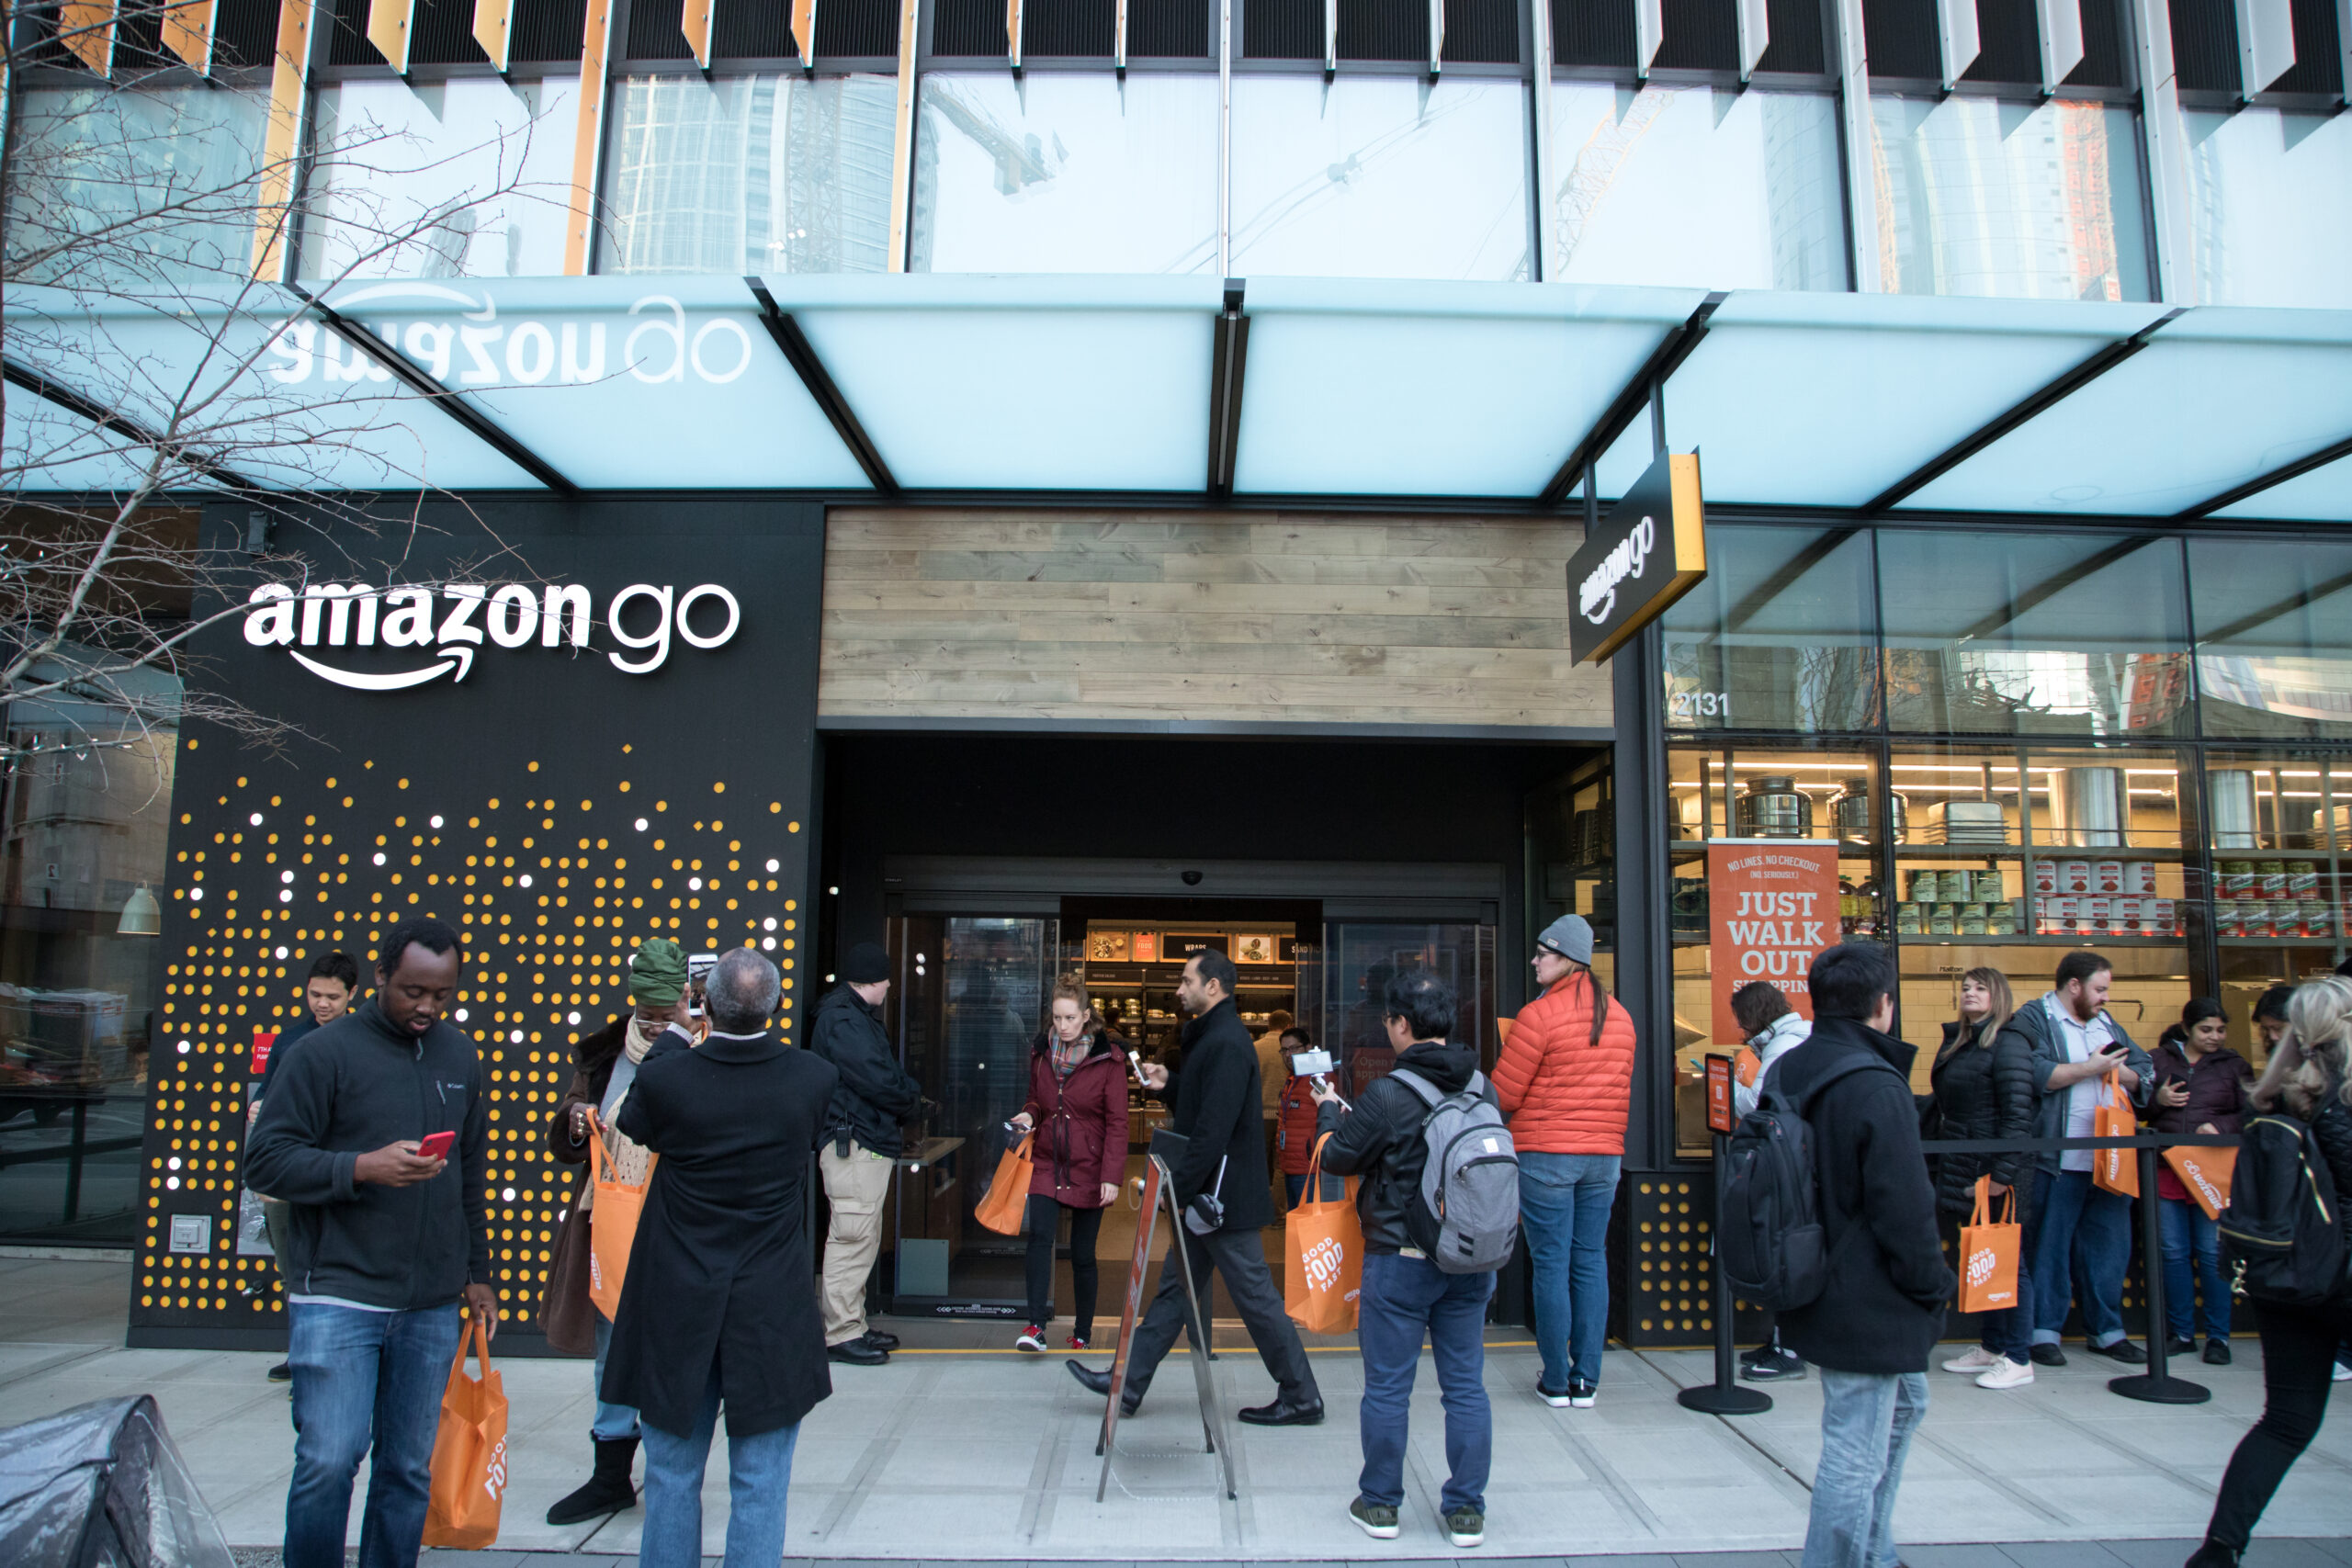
{"points": [[2083, 1234], [377, 1134]]}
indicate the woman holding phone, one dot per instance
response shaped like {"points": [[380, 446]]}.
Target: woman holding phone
{"points": [[1078, 1108]]}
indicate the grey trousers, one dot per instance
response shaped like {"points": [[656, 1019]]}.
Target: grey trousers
{"points": [[1240, 1256]]}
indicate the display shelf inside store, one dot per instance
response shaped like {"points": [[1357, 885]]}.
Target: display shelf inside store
{"points": [[2299, 942], [2079, 939]]}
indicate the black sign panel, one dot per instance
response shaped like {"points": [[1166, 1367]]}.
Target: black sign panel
{"points": [[560, 727], [1646, 552]]}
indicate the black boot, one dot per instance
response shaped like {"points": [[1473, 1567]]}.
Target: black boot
{"points": [[609, 1490], [2213, 1555]]}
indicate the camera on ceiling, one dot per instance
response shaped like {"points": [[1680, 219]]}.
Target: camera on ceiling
{"points": [[1192, 879]]}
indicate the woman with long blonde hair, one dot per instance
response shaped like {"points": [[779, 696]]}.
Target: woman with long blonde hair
{"points": [[2310, 1078], [1984, 1086]]}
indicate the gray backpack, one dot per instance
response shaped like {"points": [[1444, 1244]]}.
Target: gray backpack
{"points": [[1470, 1181]]}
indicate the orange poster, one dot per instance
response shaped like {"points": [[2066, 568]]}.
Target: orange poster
{"points": [[1772, 905]]}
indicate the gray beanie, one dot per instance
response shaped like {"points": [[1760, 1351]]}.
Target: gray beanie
{"points": [[1570, 936]]}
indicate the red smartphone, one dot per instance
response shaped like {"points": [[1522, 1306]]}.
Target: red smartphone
{"points": [[436, 1146]]}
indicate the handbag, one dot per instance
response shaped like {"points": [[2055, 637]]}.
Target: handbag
{"points": [[1007, 1199], [1324, 1273], [468, 1453], [2114, 1171], [2206, 1173], [1988, 1253], [612, 1222]]}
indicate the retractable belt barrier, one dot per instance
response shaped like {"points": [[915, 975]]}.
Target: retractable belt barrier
{"points": [[1725, 1396]]}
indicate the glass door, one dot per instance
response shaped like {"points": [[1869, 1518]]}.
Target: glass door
{"points": [[1362, 956]]}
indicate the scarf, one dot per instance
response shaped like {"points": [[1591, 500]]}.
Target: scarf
{"points": [[1068, 1058]]}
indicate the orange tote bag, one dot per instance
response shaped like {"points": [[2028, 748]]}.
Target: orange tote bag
{"points": [[2206, 1173], [1988, 1253], [2114, 1171], [1325, 1272], [612, 1223], [468, 1453], [1007, 1202]]}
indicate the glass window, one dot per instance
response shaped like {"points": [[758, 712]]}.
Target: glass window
{"points": [[469, 178], [2281, 829], [132, 183], [2047, 633], [2270, 202], [1379, 177], [2273, 646], [1065, 173], [749, 174], [1779, 637], [87, 817], [2008, 201], [1692, 186]]}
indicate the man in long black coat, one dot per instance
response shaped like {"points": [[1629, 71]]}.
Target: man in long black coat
{"points": [[1219, 1111], [717, 1309]]}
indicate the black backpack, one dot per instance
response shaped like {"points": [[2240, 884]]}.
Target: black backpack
{"points": [[1769, 1239], [2284, 1236]]}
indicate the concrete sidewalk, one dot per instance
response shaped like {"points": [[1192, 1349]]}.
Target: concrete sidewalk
{"points": [[958, 1455]]}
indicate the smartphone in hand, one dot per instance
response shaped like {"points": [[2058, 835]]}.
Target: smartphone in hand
{"points": [[436, 1146]]}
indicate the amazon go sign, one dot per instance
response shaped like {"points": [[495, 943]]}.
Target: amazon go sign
{"points": [[1647, 552], [446, 626]]}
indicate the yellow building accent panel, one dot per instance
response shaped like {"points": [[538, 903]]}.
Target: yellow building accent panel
{"points": [[804, 32], [282, 137], [88, 28], [390, 23], [588, 136], [1262, 617], [695, 21], [187, 33], [493, 27]]}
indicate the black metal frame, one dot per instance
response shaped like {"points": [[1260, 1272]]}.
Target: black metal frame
{"points": [[1228, 363], [131, 430], [802, 355]]}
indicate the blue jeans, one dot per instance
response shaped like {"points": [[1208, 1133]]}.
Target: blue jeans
{"points": [[363, 1381], [1403, 1298], [612, 1421], [1334, 1188], [2082, 1243], [1867, 1419], [2190, 1237], [1564, 1202], [759, 1470]]}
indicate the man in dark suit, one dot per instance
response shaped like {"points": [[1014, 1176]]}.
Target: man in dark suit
{"points": [[717, 1309], [1221, 1177]]}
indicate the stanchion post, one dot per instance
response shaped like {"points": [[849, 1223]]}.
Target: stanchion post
{"points": [[1725, 1396], [2156, 1385]]}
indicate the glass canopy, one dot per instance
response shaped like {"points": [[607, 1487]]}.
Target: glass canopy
{"points": [[976, 384]]}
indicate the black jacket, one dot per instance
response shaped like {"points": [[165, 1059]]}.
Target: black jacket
{"points": [[356, 1085], [1215, 1102], [1883, 1307], [1981, 1091], [1380, 1140], [2031, 1023], [721, 1265], [875, 1094], [288, 1038], [593, 1061]]}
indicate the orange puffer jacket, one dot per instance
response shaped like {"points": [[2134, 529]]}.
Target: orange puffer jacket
{"points": [[1564, 1094]]}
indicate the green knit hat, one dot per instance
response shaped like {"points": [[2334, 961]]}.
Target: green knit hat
{"points": [[659, 972]]}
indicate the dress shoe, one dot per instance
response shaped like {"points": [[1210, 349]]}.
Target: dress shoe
{"points": [[2217, 1352], [2047, 1355], [1278, 1414], [2180, 1347], [2213, 1555], [2121, 1351], [282, 1372], [880, 1340], [1100, 1382], [858, 1352]]}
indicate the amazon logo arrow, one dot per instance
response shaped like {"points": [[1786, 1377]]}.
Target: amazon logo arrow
{"points": [[459, 659]]}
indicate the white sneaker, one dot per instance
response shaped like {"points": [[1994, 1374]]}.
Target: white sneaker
{"points": [[1033, 1341], [1581, 1395], [2343, 1372], [2008, 1374], [1980, 1359]]}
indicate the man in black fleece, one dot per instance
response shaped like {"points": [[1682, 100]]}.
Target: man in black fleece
{"points": [[384, 1243], [1218, 1109], [1872, 1328], [874, 1098]]}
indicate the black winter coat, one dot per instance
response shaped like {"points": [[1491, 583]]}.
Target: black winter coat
{"points": [[1381, 1141], [1981, 1091], [875, 1095], [2217, 1086], [1216, 1103], [721, 1265], [1883, 1308]]}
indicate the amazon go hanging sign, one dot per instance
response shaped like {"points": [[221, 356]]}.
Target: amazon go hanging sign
{"points": [[1647, 552], [440, 630], [1772, 905]]}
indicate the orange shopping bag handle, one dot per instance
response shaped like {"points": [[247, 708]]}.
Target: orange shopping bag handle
{"points": [[475, 1338], [1983, 1215]]}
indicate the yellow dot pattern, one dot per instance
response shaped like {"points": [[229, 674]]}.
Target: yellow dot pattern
{"points": [[551, 896], [1669, 1265]]}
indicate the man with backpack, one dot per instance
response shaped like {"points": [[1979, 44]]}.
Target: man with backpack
{"points": [[1878, 1298], [1440, 1208]]}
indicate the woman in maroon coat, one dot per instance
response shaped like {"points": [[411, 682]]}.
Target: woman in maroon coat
{"points": [[1078, 1105], [2201, 1087]]}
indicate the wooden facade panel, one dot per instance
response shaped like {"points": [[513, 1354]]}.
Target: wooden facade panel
{"points": [[1240, 617]]}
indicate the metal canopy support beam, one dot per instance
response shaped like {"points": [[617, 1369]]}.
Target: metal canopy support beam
{"points": [[2279, 476], [2265, 44], [1959, 40], [820, 383], [1437, 36], [2060, 25], [131, 430], [1330, 39], [1630, 404], [2036, 402], [475, 421], [1649, 33], [1227, 362], [1755, 27]]}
